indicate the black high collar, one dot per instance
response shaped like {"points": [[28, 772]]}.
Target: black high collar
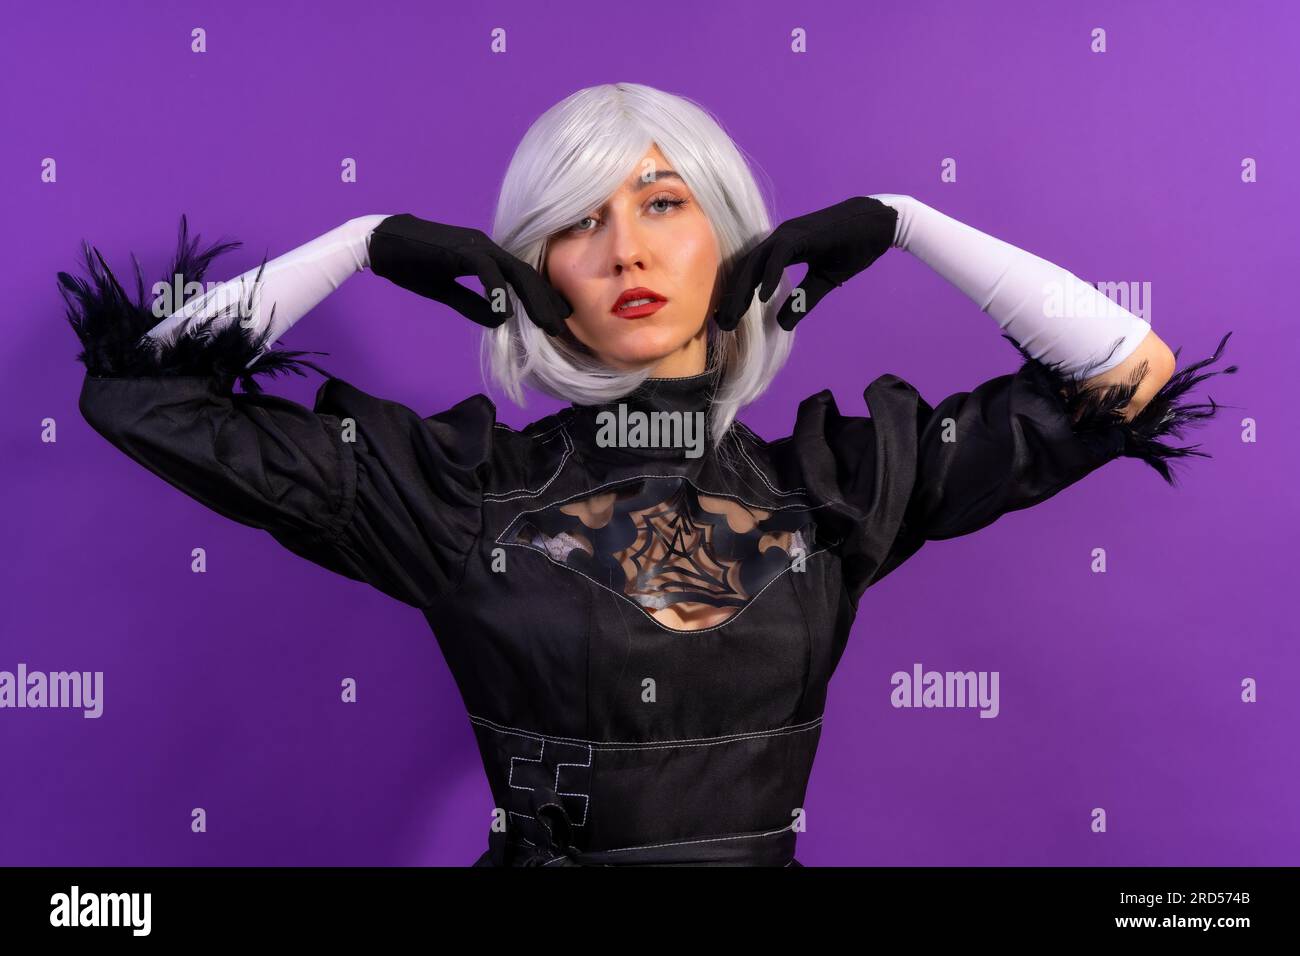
{"points": [[686, 394]]}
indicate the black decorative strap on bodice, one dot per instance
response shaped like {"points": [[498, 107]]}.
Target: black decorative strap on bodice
{"points": [[660, 542]]}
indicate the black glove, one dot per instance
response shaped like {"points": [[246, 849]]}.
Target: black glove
{"points": [[426, 257], [837, 243]]}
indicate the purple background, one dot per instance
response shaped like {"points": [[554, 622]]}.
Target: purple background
{"points": [[1119, 691]]}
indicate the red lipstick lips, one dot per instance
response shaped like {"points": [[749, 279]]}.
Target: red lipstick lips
{"points": [[624, 311]]}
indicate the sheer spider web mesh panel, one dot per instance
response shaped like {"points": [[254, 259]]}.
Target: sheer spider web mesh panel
{"points": [[687, 558]]}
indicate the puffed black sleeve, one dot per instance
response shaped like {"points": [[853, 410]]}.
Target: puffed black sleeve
{"points": [[359, 485], [913, 472]]}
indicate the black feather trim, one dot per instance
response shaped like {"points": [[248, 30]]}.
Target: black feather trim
{"points": [[1097, 414], [112, 328]]}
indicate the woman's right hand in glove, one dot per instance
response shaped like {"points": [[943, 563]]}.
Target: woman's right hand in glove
{"points": [[427, 257]]}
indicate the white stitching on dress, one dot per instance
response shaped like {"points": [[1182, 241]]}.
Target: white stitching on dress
{"points": [[760, 439], [524, 492], [586, 798], [771, 487], [553, 428], [707, 839], [650, 617], [655, 846], [569, 413], [586, 492], [615, 745], [517, 493]]}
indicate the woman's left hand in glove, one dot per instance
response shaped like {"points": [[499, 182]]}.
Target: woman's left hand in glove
{"points": [[837, 243]]}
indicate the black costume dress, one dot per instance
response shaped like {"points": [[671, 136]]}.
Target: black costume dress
{"points": [[538, 556]]}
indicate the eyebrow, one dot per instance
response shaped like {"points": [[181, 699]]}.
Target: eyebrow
{"points": [[636, 182]]}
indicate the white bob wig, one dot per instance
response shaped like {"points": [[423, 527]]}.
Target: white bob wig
{"points": [[573, 158]]}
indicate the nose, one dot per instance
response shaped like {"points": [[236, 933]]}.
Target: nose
{"points": [[627, 247]]}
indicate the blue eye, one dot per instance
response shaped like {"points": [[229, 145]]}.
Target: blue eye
{"points": [[670, 201]]}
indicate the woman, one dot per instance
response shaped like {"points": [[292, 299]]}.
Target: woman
{"points": [[641, 600]]}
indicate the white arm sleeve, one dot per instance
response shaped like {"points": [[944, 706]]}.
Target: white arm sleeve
{"points": [[1056, 316], [290, 285]]}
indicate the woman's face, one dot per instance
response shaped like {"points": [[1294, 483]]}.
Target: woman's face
{"points": [[651, 234]]}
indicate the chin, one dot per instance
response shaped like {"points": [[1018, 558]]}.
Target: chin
{"points": [[642, 346], [631, 362]]}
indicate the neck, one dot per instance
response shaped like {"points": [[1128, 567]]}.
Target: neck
{"points": [[688, 395], [690, 359]]}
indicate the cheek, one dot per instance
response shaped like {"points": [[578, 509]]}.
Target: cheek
{"points": [[698, 259], [562, 273]]}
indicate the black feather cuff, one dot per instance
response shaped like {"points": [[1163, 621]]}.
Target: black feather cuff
{"points": [[1097, 415], [112, 328]]}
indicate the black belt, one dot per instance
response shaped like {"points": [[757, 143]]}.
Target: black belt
{"points": [[759, 848]]}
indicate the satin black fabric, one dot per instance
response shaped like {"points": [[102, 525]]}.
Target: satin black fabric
{"points": [[606, 735]]}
